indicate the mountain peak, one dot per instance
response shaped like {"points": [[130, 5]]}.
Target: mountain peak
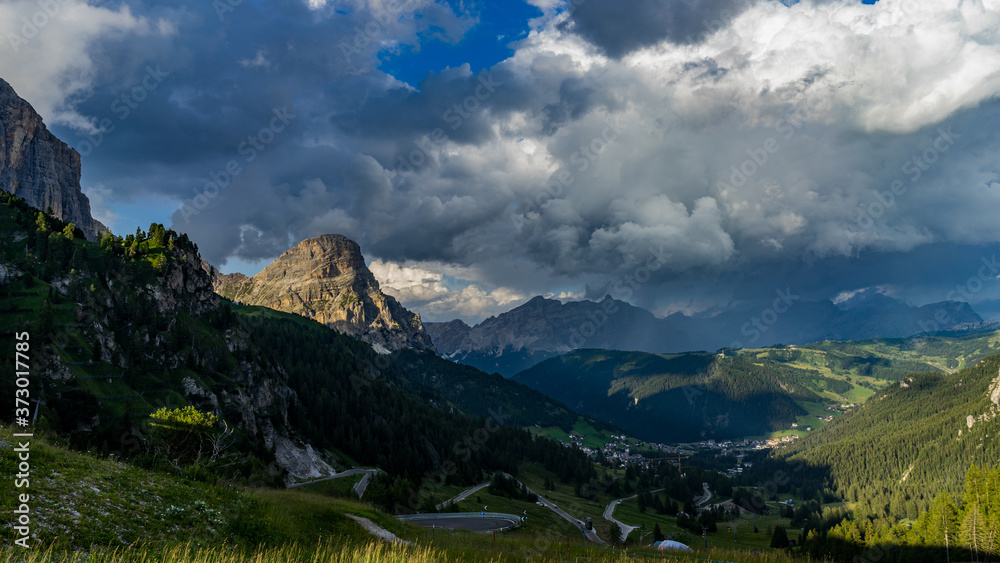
{"points": [[868, 297], [325, 278], [543, 328], [36, 166], [332, 241], [329, 256]]}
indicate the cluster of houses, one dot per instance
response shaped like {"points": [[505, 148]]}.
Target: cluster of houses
{"points": [[774, 442], [724, 445], [619, 449]]}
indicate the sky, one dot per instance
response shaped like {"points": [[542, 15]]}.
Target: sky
{"points": [[685, 156]]}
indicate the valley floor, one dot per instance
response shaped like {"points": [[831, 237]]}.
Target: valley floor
{"points": [[101, 510]]}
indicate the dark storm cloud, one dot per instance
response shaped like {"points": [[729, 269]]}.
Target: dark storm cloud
{"points": [[557, 169], [928, 274], [447, 100], [619, 28], [575, 100], [220, 82]]}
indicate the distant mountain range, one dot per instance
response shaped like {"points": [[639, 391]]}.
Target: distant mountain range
{"points": [[543, 328], [736, 394]]}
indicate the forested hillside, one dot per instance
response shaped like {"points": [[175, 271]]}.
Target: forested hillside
{"points": [[479, 393], [669, 398], [753, 392], [354, 400], [918, 466], [124, 327], [892, 455], [956, 527]]}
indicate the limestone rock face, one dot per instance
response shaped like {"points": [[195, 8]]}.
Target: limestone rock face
{"points": [[189, 283], [38, 167], [326, 279]]}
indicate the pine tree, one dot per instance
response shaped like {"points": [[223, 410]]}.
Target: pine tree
{"points": [[617, 536], [974, 532], [780, 538], [657, 532], [942, 523], [46, 319]]}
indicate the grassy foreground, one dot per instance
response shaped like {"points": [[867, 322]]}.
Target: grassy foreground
{"points": [[371, 552], [87, 508]]}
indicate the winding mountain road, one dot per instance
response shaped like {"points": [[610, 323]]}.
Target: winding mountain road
{"points": [[609, 514], [358, 488], [591, 534], [463, 495], [362, 485], [706, 498]]}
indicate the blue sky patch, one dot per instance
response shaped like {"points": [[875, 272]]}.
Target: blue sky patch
{"points": [[483, 46]]}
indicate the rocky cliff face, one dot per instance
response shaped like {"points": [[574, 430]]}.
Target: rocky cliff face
{"points": [[135, 328], [325, 279], [40, 168]]}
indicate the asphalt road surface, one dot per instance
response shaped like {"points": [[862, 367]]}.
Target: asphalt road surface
{"points": [[706, 498], [609, 514], [471, 523], [359, 488], [463, 495], [591, 535], [362, 485]]}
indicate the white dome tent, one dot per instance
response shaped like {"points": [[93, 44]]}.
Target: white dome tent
{"points": [[670, 545]]}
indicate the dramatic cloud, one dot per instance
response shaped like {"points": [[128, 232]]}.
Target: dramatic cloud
{"points": [[619, 28], [751, 145], [428, 292], [51, 55]]}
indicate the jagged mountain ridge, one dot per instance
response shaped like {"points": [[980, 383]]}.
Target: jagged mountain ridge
{"points": [[543, 328], [38, 167], [325, 279]]}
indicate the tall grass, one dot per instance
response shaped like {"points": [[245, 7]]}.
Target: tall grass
{"points": [[323, 553], [374, 552]]}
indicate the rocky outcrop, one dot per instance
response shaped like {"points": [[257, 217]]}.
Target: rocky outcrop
{"points": [[38, 167], [326, 279], [300, 460], [186, 284], [450, 337]]}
